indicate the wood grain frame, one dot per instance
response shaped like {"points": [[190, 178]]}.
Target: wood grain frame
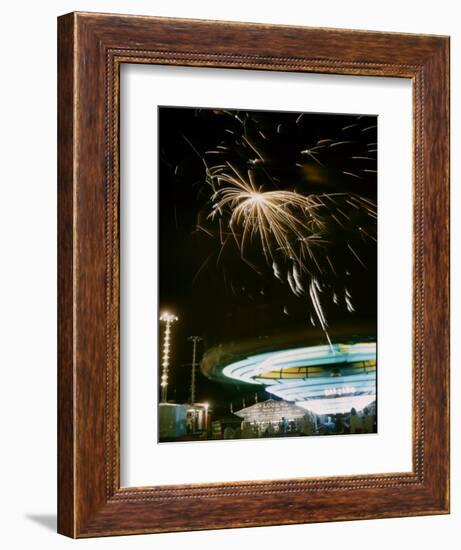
{"points": [[91, 49]]}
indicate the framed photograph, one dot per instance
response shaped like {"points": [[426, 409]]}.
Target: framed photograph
{"points": [[253, 275]]}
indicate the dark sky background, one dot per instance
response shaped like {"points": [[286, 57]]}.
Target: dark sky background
{"points": [[214, 293]]}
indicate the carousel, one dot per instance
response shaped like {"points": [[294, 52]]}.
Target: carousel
{"points": [[322, 379]]}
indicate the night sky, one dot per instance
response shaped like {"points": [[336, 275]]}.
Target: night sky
{"points": [[225, 293]]}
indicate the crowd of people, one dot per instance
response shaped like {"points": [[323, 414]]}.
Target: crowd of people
{"points": [[284, 427], [350, 423], [353, 422]]}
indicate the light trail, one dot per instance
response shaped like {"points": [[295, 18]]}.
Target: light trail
{"points": [[327, 393]]}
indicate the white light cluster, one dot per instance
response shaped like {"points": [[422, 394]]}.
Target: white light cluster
{"points": [[336, 405], [339, 391]]}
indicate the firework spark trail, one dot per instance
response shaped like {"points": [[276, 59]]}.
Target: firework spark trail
{"points": [[314, 288], [269, 214], [293, 230], [273, 218]]}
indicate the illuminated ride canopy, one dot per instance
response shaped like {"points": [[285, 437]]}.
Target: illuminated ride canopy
{"points": [[321, 379]]}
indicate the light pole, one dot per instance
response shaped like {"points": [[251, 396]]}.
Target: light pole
{"points": [[168, 319], [194, 340]]}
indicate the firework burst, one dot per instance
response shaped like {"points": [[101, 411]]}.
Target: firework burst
{"points": [[293, 204]]}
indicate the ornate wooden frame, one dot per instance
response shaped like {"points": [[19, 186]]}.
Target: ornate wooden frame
{"points": [[91, 48]]}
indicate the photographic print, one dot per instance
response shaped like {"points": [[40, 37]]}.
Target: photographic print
{"points": [[267, 274]]}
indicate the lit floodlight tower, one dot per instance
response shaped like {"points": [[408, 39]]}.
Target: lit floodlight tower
{"points": [[168, 319], [194, 340]]}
